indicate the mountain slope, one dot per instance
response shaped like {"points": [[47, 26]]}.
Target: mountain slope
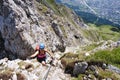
{"points": [[106, 9], [24, 24]]}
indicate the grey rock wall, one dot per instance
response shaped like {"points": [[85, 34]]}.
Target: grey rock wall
{"points": [[26, 23]]}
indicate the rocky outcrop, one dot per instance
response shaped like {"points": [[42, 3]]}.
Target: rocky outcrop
{"points": [[25, 23], [80, 68], [33, 70], [106, 45], [92, 70], [114, 69], [29, 70]]}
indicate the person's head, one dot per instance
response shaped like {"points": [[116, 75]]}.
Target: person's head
{"points": [[42, 46]]}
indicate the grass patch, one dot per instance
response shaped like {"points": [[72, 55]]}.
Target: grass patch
{"points": [[107, 74], [69, 58], [80, 77], [107, 32], [44, 9], [92, 34], [63, 30], [53, 6], [91, 46], [107, 56], [60, 10]]}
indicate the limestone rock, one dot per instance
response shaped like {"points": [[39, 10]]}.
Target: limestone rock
{"points": [[80, 68], [26, 23], [114, 69]]}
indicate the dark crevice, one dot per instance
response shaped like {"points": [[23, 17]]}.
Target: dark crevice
{"points": [[1, 4], [59, 33], [1, 43], [76, 36], [5, 53]]}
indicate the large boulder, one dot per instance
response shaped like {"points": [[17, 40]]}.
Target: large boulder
{"points": [[80, 68]]}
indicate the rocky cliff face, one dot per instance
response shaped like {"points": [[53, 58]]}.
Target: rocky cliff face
{"points": [[26, 23]]}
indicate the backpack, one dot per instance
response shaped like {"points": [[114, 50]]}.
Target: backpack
{"points": [[37, 48]]}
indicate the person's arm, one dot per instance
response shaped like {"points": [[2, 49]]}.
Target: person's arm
{"points": [[35, 54], [50, 53]]}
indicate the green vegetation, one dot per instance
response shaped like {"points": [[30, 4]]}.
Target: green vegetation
{"points": [[107, 56], [103, 32], [21, 63], [63, 30], [95, 33], [103, 74], [92, 35], [80, 77], [70, 57], [59, 9], [109, 32], [91, 46], [44, 9], [106, 74], [52, 5], [92, 18]]}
